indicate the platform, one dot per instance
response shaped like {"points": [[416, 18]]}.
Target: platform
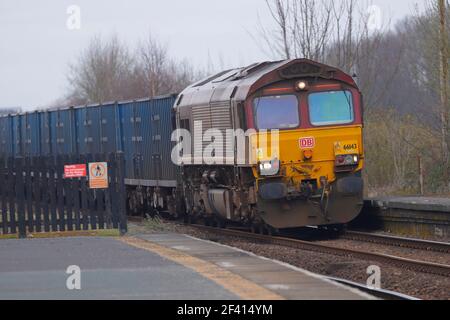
{"points": [[110, 269], [412, 203], [159, 266], [408, 216], [282, 280]]}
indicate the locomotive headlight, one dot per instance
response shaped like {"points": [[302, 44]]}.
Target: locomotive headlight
{"points": [[269, 168], [301, 85], [347, 160]]}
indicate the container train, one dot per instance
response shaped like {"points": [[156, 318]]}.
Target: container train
{"points": [[274, 145]]}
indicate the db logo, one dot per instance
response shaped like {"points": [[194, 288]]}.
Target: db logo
{"points": [[307, 143]]}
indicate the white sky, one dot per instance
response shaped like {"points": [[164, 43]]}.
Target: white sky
{"points": [[36, 46]]}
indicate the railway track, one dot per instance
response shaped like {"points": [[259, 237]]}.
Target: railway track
{"points": [[398, 241], [404, 263]]}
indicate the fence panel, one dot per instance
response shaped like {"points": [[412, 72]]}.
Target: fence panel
{"points": [[35, 195]]}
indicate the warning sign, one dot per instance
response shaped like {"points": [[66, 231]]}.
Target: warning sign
{"points": [[74, 171], [98, 175]]}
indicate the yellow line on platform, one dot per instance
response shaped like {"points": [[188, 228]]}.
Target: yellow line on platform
{"points": [[234, 283], [77, 233], [8, 236], [67, 234]]}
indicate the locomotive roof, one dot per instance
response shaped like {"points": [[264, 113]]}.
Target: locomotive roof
{"points": [[238, 84]]}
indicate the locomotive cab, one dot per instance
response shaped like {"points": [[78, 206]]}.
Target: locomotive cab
{"points": [[317, 167]]}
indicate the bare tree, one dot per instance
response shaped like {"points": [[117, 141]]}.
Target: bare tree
{"points": [[107, 71], [301, 28], [444, 86], [332, 32], [360, 50], [153, 64], [157, 73], [432, 70], [311, 28], [101, 73], [275, 42]]}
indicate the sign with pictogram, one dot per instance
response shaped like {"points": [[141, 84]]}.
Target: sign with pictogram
{"points": [[98, 175], [74, 171]]}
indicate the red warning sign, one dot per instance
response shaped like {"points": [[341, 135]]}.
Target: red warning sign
{"points": [[74, 171]]}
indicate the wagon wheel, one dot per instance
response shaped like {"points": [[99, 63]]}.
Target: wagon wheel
{"points": [[207, 221], [268, 230], [222, 224], [256, 228]]}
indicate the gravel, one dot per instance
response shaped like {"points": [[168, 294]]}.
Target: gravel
{"points": [[416, 254]]}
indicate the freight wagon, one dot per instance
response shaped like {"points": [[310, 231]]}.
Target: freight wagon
{"points": [[141, 129]]}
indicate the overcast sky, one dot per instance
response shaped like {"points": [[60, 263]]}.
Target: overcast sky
{"points": [[36, 45]]}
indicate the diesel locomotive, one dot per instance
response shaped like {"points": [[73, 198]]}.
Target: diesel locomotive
{"points": [[311, 176]]}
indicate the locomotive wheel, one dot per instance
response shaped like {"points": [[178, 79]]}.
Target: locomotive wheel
{"points": [[219, 223], [222, 224], [256, 228], [188, 218], [334, 230], [268, 230], [339, 229], [207, 221], [151, 212], [192, 219]]}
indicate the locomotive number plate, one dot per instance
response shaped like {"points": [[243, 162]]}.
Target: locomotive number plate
{"points": [[346, 147]]}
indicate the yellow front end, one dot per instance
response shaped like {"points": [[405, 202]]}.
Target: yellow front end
{"points": [[311, 182]]}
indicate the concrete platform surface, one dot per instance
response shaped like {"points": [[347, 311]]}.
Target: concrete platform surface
{"points": [[286, 281], [110, 269], [411, 203], [156, 266]]}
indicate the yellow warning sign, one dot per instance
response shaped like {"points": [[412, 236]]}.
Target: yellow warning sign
{"points": [[98, 175]]}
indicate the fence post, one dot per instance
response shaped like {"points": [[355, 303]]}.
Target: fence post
{"points": [[60, 192], [91, 199], [20, 196], [11, 195], [111, 209], [52, 190], [44, 177], [421, 188], [76, 197], [3, 194], [29, 194], [84, 197], [120, 173], [69, 194], [37, 195], [100, 197]]}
